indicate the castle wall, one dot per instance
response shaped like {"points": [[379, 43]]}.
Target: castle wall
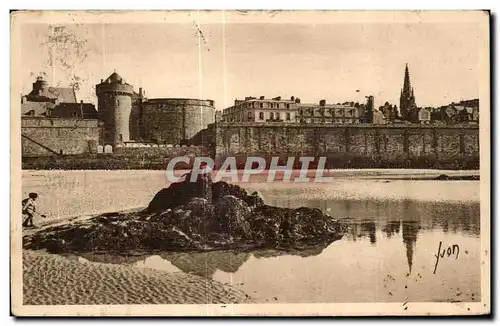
{"points": [[48, 136], [397, 144], [174, 121]]}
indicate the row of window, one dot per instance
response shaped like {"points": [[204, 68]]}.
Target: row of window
{"points": [[331, 112], [272, 116], [262, 116], [258, 105], [339, 121]]}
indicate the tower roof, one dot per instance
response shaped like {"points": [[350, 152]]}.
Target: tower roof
{"points": [[114, 78]]}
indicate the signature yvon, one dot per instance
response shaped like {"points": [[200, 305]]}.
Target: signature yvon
{"points": [[441, 253]]}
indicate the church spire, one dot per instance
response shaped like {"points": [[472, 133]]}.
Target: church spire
{"points": [[407, 98], [407, 84]]}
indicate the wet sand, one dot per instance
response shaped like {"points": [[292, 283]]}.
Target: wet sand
{"points": [[55, 280]]}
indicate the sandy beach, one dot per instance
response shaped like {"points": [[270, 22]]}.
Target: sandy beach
{"points": [[55, 280]]}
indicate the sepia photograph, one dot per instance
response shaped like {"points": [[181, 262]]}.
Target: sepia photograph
{"points": [[250, 163]]}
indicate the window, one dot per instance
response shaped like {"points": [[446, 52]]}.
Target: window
{"points": [[250, 116], [261, 115], [288, 105], [73, 114], [288, 116], [271, 116], [277, 115], [261, 105]]}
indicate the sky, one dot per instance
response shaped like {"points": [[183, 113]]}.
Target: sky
{"points": [[338, 61]]}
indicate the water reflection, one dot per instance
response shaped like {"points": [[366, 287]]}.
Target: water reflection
{"points": [[445, 216], [387, 255], [205, 264], [391, 228], [410, 231]]}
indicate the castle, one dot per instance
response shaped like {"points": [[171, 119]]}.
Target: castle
{"points": [[123, 118], [130, 117]]}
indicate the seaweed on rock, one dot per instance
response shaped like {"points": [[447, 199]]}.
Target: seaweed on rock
{"points": [[196, 216]]}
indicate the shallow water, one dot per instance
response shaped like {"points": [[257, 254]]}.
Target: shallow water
{"points": [[389, 253]]}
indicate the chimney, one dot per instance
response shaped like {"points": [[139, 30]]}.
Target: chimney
{"points": [[292, 98], [322, 103], [297, 100], [140, 92], [262, 97], [102, 80]]}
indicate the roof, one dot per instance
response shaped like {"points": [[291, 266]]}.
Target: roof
{"points": [[114, 78], [267, 100], [61, 94], [38, 108]]}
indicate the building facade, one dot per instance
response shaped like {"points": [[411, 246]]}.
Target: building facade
{"points": [[460, 112], [278, 110], [323, 113], [262, 110], [424, 116], [55, 102]]}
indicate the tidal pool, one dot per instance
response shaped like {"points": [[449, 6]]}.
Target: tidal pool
{"points": [[388, 255]]}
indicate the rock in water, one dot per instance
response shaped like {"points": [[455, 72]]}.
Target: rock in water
{"points": [[442, 177], [233, 214], [195, 216]]}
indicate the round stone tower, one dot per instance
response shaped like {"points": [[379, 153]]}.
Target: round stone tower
{"points": [[114, 103]]}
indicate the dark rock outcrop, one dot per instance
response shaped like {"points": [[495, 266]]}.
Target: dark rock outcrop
{"points": [[195, 216], [445, 177], [233, 214], [180, 193]]}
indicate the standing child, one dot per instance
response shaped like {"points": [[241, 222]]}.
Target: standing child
{"points": [[29, 209]]}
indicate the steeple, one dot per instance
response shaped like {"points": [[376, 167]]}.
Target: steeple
{"points": [[406, 84], [407, 97]]}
